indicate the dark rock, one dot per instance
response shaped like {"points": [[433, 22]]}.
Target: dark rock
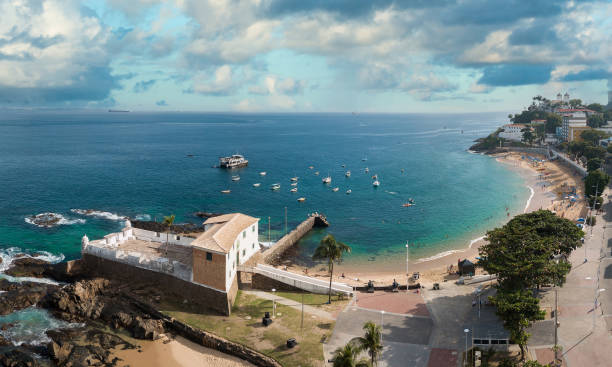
{"points": [[28, 261], [59, 352], [78, 300], [18, 358], [5, 342], [7, 326], [146, 328], [206, 214], [23, 295], [161, 228]]}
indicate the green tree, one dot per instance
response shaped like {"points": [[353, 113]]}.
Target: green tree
{"points": [[528, 135], [518, 310], [597, 107], [371, 341], [609, 148], [595, 202], [593, 136], [595, 181], [552, 122], [593, 164], [591, 152], [521, 253], [576, 148], [575, 103], [596, 121], [168, 222], [347, 355], [331, 250]]}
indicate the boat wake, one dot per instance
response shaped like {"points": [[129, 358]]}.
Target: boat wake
{"points": [[48, 220], [99, 214]]}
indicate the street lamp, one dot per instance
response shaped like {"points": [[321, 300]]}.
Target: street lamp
{"points": [[273, 303], [407, 272], [382, 323], [595, 304], [466, 331]]}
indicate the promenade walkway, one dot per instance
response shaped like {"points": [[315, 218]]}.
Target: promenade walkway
{"points": [[583, 332]]}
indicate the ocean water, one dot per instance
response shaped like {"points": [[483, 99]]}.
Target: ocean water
{"points": [[137, 165]]}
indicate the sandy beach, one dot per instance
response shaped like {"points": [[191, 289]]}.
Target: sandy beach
{"points": [[175, 351], [549, 183]]}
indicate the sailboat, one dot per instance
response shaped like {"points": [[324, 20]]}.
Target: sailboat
{"points": [[294, 189], [335, 189], [294, 179], [236, 178], [225, 191], [364, 158], [348, 192], [262, 173], [327, 180], [367, 170], [301, 199], [348, 174], [256, 184], [275, 186], [376, 183], [294, 184]]}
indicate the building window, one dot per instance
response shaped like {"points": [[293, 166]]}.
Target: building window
{"points": [[243, 252], [208, 256], [253, 244], [244, 234], [253, 228], [178, 238], [157, 234]]}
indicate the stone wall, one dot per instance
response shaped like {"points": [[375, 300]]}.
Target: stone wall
{"points": [[198, 294], [209, 340], [263, 282], [274, 254]]}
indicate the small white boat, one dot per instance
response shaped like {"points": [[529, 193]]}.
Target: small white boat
{"points": [[327, 180], [376, 183], [335, 189], [310, 167], [256, 184], [225, 191], [294, 189], [236, 178], [348, 174], [262, 173], [348, 192], [367, 170], [301, 199], [294, 184], [364, 159], [275, 187], [294, 179], [317, 173], [344, 165]]}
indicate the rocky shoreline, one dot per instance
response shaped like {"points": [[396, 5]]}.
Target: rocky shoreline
{"points": [[101, 310]]}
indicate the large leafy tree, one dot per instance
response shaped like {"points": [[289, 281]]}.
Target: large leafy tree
{"points": [[593, 136], [595, 181], [596, 121], [594, 164], [370, 341], [552, 122], [522, 252], [518, 309], [528, 135], [347, 355], [331, 250]]}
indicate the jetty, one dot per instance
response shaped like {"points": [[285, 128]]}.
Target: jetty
{"points": [[276, 251]]}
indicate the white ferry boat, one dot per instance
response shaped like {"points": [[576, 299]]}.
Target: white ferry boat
{"points": [[234, 161], [327, 180]]}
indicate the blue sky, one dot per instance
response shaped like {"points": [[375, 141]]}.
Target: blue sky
{"points": [[302, 56]]}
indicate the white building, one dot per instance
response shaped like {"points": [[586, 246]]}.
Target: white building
{"points": [[512, 132], [209, 259], [573, 120]]}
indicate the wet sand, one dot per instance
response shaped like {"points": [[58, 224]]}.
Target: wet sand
{"points": [[176, 351], [548, 183]]}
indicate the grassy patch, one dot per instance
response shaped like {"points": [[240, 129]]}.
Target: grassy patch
{"points": [[316, 300], [244, 326]]}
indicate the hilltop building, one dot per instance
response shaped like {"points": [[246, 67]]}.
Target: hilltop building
{"points": [[512, 132], [203, 265]]}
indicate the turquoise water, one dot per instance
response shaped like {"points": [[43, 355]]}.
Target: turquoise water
{"points": [[136, 164]]}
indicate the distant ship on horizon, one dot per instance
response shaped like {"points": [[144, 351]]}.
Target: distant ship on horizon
{"points": [[118, 111]]}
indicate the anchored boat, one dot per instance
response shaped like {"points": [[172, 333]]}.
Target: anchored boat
{"points": [[234, 161], [275, 186], [225, 191], [236, 178]]}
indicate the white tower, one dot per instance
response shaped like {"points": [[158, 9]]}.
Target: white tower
{"points": [[566, 97], [84, 242]]}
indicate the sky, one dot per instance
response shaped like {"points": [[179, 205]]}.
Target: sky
{"points": [[302, 56]]}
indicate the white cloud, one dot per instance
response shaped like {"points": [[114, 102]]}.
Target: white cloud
{"points": [[273, 85], [220, 84]]}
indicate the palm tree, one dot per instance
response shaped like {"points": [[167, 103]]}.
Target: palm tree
{"points": [[331, 250], [168, 222], [346, 357], [370, 341]]}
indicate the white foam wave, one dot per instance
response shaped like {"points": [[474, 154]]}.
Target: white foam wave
{"points": [[10, 254], [438, 256], [99, 214], [476, 240], [48, 220], [144, 217], [529, 200], [30, 326]]}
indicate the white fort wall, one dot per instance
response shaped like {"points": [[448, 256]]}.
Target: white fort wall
{"points": [[245, 246], [106, 248]]}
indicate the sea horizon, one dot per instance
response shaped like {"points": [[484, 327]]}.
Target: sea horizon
{"points": [[138, 165]]}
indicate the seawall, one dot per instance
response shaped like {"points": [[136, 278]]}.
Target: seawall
{"points": [[274, 253]]}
